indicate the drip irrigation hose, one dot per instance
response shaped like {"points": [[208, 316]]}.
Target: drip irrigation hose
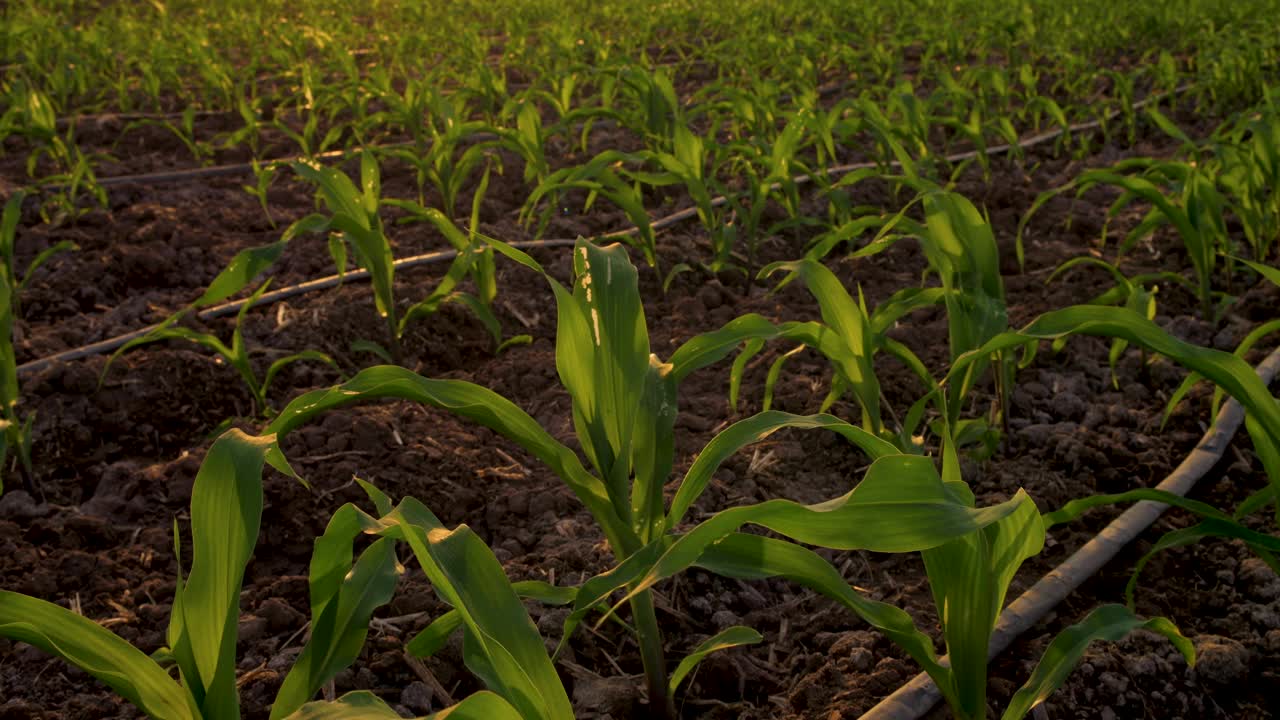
{"points": [[269, 298], [230, 308], [920, 694]]}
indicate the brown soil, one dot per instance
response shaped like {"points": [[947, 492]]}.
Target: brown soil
{"points": [[116, 463]]}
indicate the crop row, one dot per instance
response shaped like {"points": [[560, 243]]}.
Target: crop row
{"points": [[339, 84]]}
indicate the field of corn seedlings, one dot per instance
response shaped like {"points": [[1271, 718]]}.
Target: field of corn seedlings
{"points": [[544, 360]]}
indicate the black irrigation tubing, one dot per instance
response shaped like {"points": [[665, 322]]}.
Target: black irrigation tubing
{"points": [[284, 293], [916, 698], [330, 281]]}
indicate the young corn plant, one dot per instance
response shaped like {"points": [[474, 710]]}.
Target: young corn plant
{"points": [[691, 165], [72, 170], [624, 410], [606, 175], [1249, 161], [970, 577], [15, 431], [353, 218], [236, 355], [961, 250], [850, 337], [1137, 293], [447, 149], [346, 589], [263, 174], [1182, 195], [8, 247]]}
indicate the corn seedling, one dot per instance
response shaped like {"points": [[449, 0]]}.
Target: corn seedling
{"points": [[1249, 161], [850, 337], [236, 355], [440, 132], [1182, 195], [353, 218], [8, 243], [970, 577], [1136, 293], [692, 166], [656, 110], [346, 589], [184, 130], [15, 431], [606, 175], [624, 409], [264, 175], [960, 247]]}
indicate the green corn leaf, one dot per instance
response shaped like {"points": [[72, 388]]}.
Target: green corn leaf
{"points": [[226, 509], [1108, 622], [728, 638], [1263, 545], [433, 637], [502, 644], [775, 371], [166, 331], [364, 705], [282, 363], [750, 349], [44, 256], [8, 359], [1255, 335], [445, 292], [243, 268], [969, 577], [1168, 127], [652, 448], [439, 220], [468, 400], [339, 193], [9, 227], [1074, 509], [900, 304], [370, 182], [1226, 370], [901, 505], [753, 557], [373, 348], [344, 597], [483, 313], [754, 429], [97, 651], [373, 252], [852, 324], [602, 347], [1266, 271], [710, 347]]}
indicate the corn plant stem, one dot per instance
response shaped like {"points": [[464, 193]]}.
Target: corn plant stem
{"points": [[916, 698], [662, 223], [649, 636]]}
